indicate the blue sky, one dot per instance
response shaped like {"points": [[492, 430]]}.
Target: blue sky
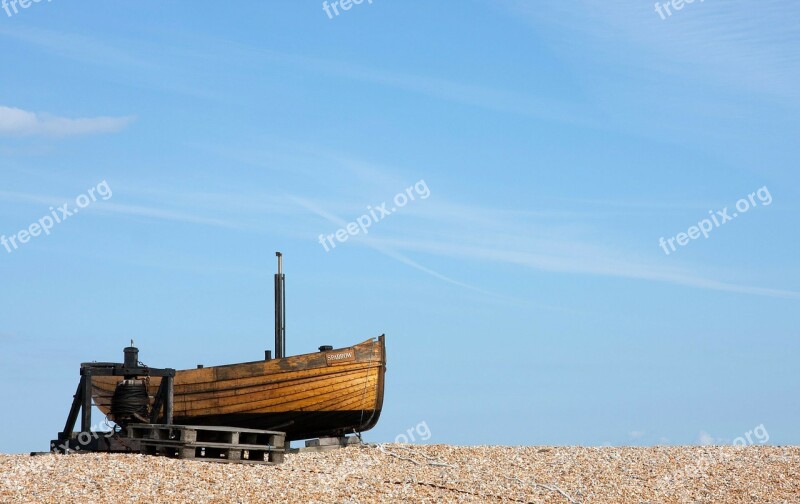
{"points": [[525, 301]]}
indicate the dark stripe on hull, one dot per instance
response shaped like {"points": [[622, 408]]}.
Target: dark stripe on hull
{"points": [[296, 424]]}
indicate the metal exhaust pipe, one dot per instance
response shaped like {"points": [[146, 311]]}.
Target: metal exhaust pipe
{"points": [[280, 310]]}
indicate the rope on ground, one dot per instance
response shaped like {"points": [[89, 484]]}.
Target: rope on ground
{"points": [[420, 483], [430, 460], [551, 488], [554, 488]]}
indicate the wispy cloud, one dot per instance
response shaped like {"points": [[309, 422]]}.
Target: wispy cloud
{"points": [[384, 249], [147, 211], [165, 214], [18, 122], [202, 50], [589, 259], [75, 46], [736, 44], [471, 94], [554, 240]]}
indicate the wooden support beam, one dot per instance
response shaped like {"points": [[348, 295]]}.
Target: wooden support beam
{"points": [[86, 407], [77, 401], [169, 398]]}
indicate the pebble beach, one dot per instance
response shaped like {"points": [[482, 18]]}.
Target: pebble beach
{"points": [[414, 473]]}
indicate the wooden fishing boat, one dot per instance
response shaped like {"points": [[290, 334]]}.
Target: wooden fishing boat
{"points": [[327, 393], [332, 392]]}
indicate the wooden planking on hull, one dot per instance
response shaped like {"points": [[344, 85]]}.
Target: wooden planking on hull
{"points": [[280, 392], [293, 386], [362, 390], [290, 395], [186, 382], [276, 398]]}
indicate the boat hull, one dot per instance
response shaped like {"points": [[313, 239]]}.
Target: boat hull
{"points": [[321, 394]]}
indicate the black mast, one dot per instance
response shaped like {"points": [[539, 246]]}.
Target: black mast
{"points": [[280, 310]]}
